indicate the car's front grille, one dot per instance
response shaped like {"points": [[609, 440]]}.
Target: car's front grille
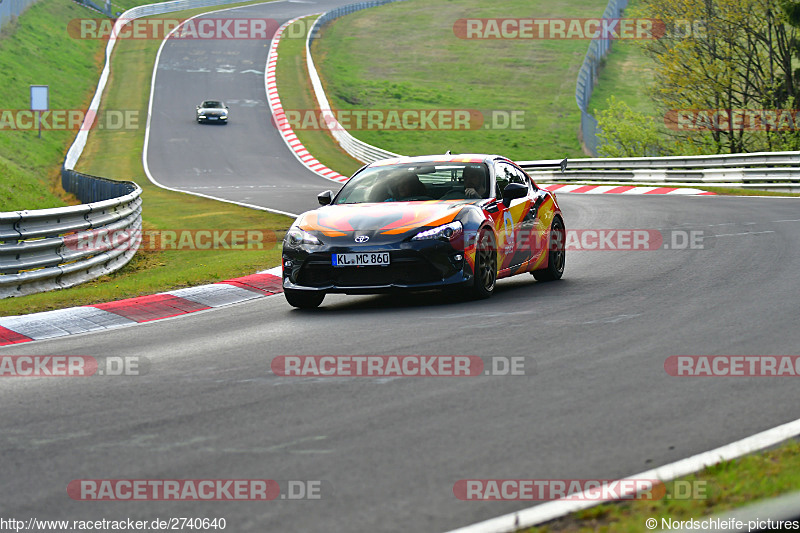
{"points": [[409, 270]]}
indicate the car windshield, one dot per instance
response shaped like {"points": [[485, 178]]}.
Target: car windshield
{"points": [[212, 104], [416, 181]]}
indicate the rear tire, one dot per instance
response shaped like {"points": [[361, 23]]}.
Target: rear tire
{"points": [[485, 275], [557, 255], [304, 299]]}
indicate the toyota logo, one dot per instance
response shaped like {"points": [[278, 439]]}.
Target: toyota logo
{"points": [[362, 238]]}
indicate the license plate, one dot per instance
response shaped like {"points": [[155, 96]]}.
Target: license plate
{"points": [[212, 118], [362, 259]]}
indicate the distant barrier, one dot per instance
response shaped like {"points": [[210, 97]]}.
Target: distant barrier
{"points": [[102, 6], [587, 79]]}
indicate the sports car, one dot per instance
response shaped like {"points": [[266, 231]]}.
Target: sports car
{"points": [[212, 111], [427, 222]]}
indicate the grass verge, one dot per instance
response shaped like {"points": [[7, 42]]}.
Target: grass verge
{"points": [[37, 49], [626, 74], [718, 488], [116, 154], [406, 55], [734, 191]]}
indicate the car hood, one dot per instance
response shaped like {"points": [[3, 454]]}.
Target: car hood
{"points": [[388, 219]]}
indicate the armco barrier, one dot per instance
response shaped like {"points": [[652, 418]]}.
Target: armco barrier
{"points": [[775, 170], [762, 170], [105, 9], [764, 159], [34, 251]]}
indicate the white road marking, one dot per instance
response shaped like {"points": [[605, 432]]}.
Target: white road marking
{"points": [[738, 234], [555, 509]]}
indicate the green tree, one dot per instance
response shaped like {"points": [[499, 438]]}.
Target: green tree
{"points": [[627, 133], [725, 55]]}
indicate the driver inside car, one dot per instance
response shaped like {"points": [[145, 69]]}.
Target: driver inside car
{"points": [[408, 186], [474, 182]]}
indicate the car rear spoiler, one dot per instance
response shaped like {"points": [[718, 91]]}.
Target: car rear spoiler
{"points": [[544, 164]]}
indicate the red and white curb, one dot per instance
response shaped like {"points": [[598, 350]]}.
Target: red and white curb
{"points": [[51, 324], [279, 116]]}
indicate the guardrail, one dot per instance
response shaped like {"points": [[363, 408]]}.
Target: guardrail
{"points": [[769, 159], [762, 170], [366, 153], [49, 249]]}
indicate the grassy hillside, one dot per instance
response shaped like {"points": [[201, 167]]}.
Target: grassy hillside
{"points": [[37, 50], [407, 56]]}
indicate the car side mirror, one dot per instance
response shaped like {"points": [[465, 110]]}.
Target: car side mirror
{"points": [[514, 191], [198, 107], [325, 198]]}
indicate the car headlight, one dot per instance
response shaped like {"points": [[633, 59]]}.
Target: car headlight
{"points": [[448, 232], [296, 237]]}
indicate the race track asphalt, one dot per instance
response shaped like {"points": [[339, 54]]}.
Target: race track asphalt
{"points": [[245, 160], [599, 406]]}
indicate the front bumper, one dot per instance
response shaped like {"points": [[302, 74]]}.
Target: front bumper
{"points": [[414, 265], [212, 118]]}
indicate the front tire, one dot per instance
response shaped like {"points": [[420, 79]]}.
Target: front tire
{"points": [[304, 299], [557, 255], [485, 274]]}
